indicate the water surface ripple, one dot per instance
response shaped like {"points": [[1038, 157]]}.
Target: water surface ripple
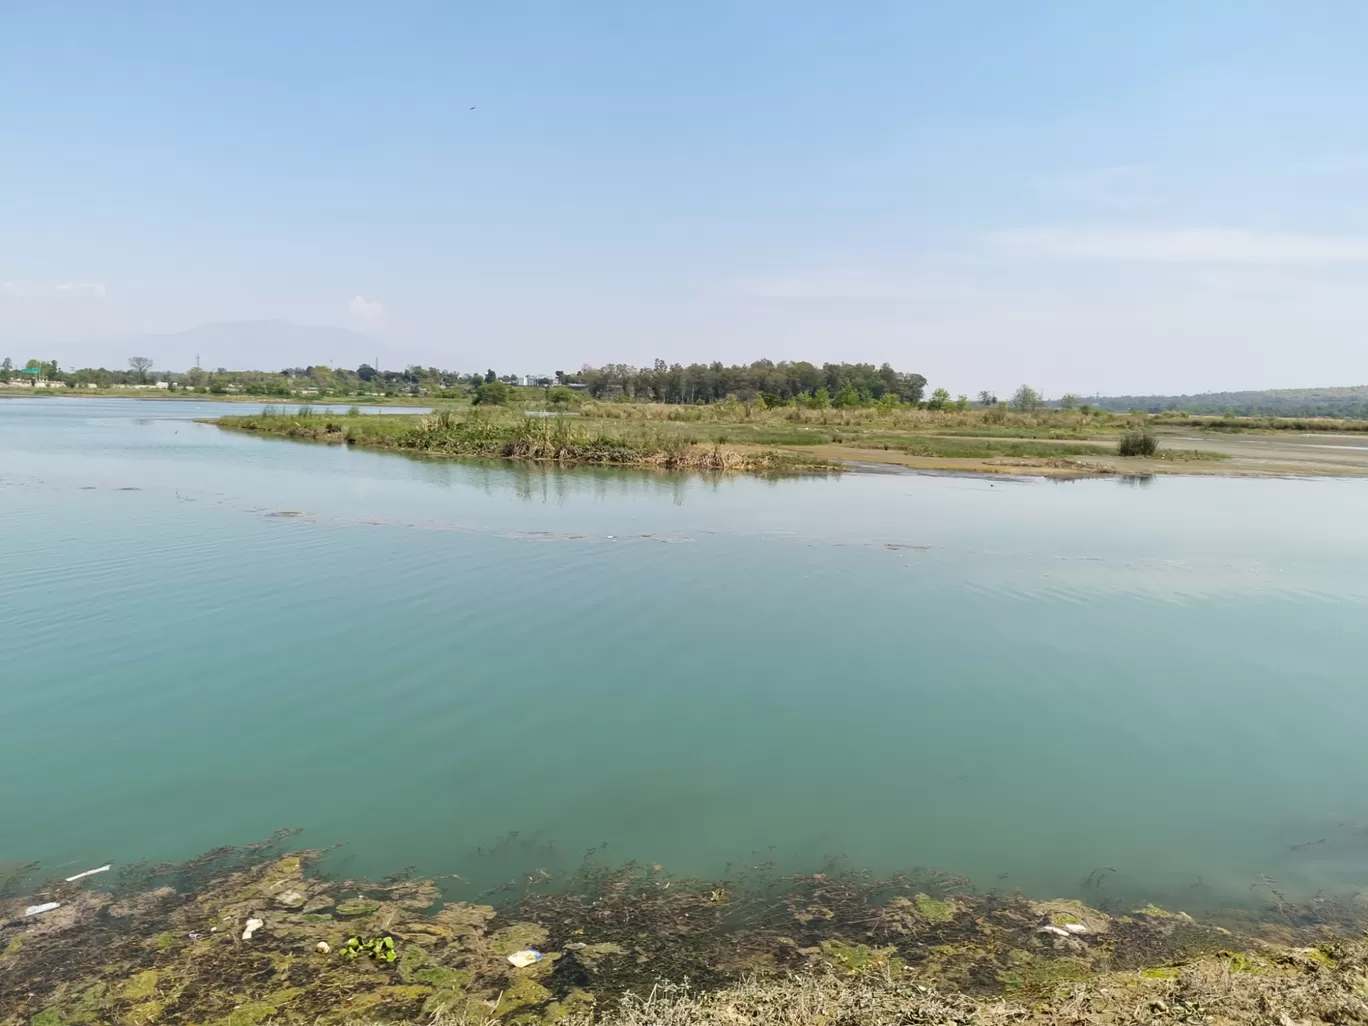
{"points": [[207, 636]]}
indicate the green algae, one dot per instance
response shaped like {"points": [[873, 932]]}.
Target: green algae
{"points": [[142, 985], [1031, 974], [578, 1004], [1161, 972], [358, 907], [857, 959], [524, 992], [13, 947], [934, 911]]}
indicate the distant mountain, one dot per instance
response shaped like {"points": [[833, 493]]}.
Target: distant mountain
{"points": [[1279, 402], [236, 345]]}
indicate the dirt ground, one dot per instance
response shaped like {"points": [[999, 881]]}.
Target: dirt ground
{"points": [[1247, 455]]}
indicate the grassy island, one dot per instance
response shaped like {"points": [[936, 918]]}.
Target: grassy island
{"points": [[500, 433], [747, 437]]}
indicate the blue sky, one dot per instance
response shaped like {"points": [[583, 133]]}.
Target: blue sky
{"points": [[988, 193]]}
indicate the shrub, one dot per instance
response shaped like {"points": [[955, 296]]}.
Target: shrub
{"points": [[1137, 443]]}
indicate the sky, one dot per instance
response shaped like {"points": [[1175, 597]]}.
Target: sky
{"points": [[1116, 198]]}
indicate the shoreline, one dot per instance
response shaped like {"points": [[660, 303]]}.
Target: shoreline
{"points": [[166, 944], [512, 435]]}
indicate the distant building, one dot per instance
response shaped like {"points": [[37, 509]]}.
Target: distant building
{"points": [[535, 380]]}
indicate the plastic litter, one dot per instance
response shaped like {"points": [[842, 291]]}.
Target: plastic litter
{"points": [[528, 956], [253, 925], [88, 872], [48, 906], [1058, 931], [1075, 928], [322, 947]]}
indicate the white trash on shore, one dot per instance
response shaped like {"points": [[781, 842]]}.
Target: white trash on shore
{"points": [[48, 906], [253, 925], [89, 872], [528, 956]]}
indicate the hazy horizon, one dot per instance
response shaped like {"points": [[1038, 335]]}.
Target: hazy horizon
{"points": [[1157, 201]]}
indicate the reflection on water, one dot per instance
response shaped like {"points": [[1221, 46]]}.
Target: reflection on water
{"points": [[1021, 684]]}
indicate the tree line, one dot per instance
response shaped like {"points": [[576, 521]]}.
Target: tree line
{"points": [[776, 383], [773, 383]]}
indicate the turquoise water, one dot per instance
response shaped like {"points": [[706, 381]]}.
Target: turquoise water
{"points": [[206, 636]]}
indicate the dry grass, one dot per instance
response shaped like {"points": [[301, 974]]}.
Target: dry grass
{"points": [[1290, 987]]}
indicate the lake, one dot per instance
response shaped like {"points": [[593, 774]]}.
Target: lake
{"points": [[206, 636]]}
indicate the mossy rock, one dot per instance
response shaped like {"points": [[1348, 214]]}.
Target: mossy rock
{"points": [[1063, 912], [357, 907], [857, 959], [138, 987], [444, 978], [1161, 972], [149, 1013], [524, 992], [934, 911], [89, 1006], [48, 1017], [459, 920], [1037, 976], [455, 1005], [1242, 963], [516, 937], [578, 1003], [1155, 912], [400, 997]]}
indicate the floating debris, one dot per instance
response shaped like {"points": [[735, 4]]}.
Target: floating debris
{"points": [[89, 872], [522, 959]]}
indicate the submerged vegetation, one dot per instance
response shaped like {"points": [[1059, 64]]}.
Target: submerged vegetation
{"points": [[255, 935]]}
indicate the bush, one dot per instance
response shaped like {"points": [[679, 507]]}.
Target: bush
{"points": [[492, 393], [1137, 443]]}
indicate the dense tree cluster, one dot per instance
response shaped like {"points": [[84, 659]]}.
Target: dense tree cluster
{"points": [[1281, 402], [841, 383]]}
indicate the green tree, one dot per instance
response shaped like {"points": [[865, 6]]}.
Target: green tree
{"points": [[492, 393], [559, 396], [939, 398], [962, 403], [821, 398], [1069, 401], [140, 365], [847, 396], [987, 398], [1025, 399], [6, 369], [490, 377]]}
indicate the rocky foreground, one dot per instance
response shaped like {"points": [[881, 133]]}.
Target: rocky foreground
{"points": [[254, 936]]}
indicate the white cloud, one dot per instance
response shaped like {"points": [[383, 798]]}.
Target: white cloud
{"points": [[853, 286], [1122, 187], [366, 309], [88, 290], [1183, 245], [66, 290]]}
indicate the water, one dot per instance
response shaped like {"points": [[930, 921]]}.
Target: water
{"points": [[205, 636]]}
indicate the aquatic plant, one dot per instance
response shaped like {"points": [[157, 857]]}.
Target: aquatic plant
{"points": [[381, 949]]}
